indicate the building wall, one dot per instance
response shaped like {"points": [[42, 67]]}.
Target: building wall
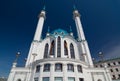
{"points": [[113, 65]]}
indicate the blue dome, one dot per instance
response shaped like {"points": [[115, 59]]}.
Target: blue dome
{"points": [[60, 32]]}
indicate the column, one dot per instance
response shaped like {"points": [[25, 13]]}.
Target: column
{"points": [[52, 70], [64, 72], [41, 72]]}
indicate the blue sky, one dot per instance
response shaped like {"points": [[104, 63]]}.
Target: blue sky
{"points": [[18, 20]]}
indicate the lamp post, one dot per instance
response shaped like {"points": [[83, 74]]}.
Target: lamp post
{"points": [[101, 56], [15, 62], [103, 64], [17, 55]]}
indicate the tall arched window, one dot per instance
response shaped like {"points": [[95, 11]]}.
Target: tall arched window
{"points": [[65, 48], [72, 51], [59, 47], [52, 49], [46, 51]]}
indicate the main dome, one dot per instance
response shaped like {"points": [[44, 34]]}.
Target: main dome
{"points": [[59, 32]]}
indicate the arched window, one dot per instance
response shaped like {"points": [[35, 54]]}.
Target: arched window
{"points": [[59, 47], [70, 67], [46, 67], [52, 49], [72, 51], [65, 48], [58, 67], [38, 68], [46, 51], [79, 67], [19, 80], [99, 80]]}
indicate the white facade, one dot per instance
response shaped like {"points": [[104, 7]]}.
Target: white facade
{"points": [[113, 66], [59, 57]]}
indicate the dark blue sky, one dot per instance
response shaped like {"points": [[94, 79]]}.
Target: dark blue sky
{"points": [[18, 20]]}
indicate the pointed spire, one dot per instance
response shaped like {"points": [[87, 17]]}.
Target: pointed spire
{"points": [[74, 7], [71, 33], [70, 29], [44, 8], [48, 29]]}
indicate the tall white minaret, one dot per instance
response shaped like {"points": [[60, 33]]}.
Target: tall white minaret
{"points": [[33, 52], [38, 32], [81, 38]]}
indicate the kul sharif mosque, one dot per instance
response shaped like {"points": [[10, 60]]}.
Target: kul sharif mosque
{"points": [[59, 57]]}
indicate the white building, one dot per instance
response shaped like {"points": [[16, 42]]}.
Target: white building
{"points": [[113, 65], [59, 57]]}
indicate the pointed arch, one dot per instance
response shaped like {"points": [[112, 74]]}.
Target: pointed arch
{"points": [[65, 48], [46, 50], [58, 46], [52, 48], [72, 52], [19, 80]]}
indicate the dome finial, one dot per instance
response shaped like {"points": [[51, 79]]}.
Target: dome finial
{"points": [[48, 29], [74, 7], [44, 8], [70, 29]]}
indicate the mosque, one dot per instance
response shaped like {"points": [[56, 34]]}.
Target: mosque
{"points": [[59, 57]]}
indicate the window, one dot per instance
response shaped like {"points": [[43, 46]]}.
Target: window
{"points": [[58, 67], [46, 67], [114, 77], [65, 48], [79, 67], [72, 51], [114, 63], [101, 65], [52, 49], [71, 79], [45, 78], [96, 66], [118, 62], [111, 70], [70, 67], [38, 68], [19, 80], [58, 47], [81, 79], [117, 69], [36, 79], [99, 80], [118, 76], [58, 79], [46, 51], [109, 64]]}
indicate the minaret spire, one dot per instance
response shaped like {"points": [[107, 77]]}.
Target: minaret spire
{"points": [[81, 37], [38, 32], [76, 16], [48, 31]]}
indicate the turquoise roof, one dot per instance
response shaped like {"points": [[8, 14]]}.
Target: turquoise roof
{"points": [[59, 32]]}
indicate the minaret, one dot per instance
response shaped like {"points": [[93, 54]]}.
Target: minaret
{"points": [[37, 38], [38, 32], [81, 38]]}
